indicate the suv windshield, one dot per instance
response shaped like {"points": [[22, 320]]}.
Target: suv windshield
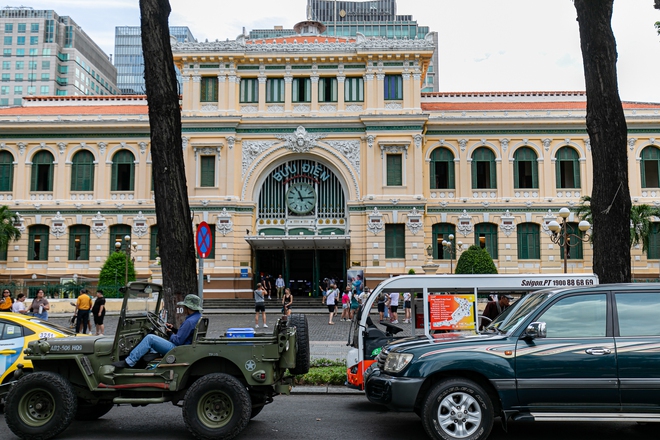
{"points": [[518, 312]]}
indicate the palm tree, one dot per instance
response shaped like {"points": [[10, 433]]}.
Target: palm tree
{"points": [[640, 221], [8, 232]]}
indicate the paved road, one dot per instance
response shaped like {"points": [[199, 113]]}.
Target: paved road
{"points": [[322, 417]]}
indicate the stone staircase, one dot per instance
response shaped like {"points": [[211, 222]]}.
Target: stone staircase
{"points": [[248, 304]]}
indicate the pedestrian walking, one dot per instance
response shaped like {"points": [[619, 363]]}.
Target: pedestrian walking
{"points": [[83, 306], [98, 313], [40, 306], [407, 305], [279, 285], [259, 306], [381, 306], [330, 301], [287, 300], [394, 306], [354, 304], [345, 304]]}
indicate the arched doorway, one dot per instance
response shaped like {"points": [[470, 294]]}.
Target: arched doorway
{"points": [[301, 226]]}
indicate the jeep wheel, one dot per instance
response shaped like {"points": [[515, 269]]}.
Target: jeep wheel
{"points": [[217, 406], [457, 409], [40, 406], [88, 412], [302, 344]]}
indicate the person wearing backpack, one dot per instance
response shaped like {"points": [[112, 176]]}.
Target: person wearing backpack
{"points": [[354, 304]]}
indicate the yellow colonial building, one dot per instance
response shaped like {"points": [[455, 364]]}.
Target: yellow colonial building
{"points": [[310, 156]]}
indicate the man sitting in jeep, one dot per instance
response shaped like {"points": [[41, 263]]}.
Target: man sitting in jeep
{"points": [[182, 336]]}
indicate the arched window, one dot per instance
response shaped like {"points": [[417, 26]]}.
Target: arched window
{"points": [[525, 168], [485, 236], [442, 169], [42, 172], [484, 175], [123, 171], [441, 231], [529, 241], [117, 234], [79, 242], [6, 171], [650, 167], [82, 171], [567, 168], [38, 243]]}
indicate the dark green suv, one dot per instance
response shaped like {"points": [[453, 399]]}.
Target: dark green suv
{"points": [[580, 354]]}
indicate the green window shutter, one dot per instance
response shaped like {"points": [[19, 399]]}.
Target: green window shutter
{"points": [[6, 171], [516, 172], [207, 166], [333, 89], [295, 97], [558, 183], [394, 170], [117, 234], [489, 232], [308, 90], [209, 89], [249, 92], [394, 241], [493, 175], [123, 171], [38, 243], [154, 245], [576, 172], [654, 242], [575, 252], [82, 172], [442, 231], [42, 160], [321, 90], [79, 242], [529, 241]]}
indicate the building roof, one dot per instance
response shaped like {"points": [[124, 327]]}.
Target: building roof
{"points": [[79, 105]]}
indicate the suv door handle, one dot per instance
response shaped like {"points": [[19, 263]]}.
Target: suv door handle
{"points": [[600, 351]]}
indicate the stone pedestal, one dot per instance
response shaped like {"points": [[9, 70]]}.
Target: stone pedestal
{"points": [[430, 268]]}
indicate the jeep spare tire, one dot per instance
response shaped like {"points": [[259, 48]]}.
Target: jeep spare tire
{"points": [[302, 343]]}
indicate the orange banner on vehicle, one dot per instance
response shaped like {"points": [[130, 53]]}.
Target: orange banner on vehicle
{"points": [[452, 312]]}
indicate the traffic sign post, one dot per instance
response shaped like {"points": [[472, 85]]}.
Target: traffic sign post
{"points": [[204, 244]]}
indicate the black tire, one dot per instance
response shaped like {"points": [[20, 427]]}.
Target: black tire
{"points": [[216, 406], [302, 344], [465, 408], [88, 412], [40, 406]]}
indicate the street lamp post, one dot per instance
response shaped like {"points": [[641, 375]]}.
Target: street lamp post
{"points": [[451, 247], [561, 237], [130, 248]]}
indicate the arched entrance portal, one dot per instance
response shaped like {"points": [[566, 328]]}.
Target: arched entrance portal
{"points": [[301, 227]]}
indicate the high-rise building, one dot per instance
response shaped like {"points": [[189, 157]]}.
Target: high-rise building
{"points": [[129, 60], [371, 19], [48, 54]]}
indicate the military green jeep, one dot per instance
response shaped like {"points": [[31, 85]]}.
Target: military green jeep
{"points": [[221, 383]]}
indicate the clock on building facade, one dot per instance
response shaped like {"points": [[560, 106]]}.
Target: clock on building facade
{"points": [[301, 198]]}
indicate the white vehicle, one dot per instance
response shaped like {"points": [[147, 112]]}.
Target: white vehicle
{"points": [[440, 304]]}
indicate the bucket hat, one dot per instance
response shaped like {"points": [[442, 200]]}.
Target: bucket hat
{"points": [[193, 302]]}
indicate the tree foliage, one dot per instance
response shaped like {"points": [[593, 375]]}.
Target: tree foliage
{"points": [[475, 260], [608, 133], [8, 232], [114, 271], [177, 250]]}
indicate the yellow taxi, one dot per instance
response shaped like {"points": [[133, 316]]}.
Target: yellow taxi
{"points": [[16, 331]]}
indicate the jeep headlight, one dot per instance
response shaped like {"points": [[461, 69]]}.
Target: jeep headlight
{"points": [[396, 362]]}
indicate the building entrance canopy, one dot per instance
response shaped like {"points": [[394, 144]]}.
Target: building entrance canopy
{"points": [[303, 242]]}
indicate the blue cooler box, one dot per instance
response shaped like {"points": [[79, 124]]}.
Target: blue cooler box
{"points": [[240, 333]]}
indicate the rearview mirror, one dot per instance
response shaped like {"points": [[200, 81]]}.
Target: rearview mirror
{"points": [[536, 330]]}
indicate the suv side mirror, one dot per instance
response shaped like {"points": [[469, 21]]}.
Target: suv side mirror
{"points": [[536, 330]]}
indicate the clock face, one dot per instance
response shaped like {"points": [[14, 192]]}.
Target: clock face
{"points": [[301, 198]]}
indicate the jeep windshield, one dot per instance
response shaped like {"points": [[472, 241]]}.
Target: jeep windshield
{"points": [[519, 311]]}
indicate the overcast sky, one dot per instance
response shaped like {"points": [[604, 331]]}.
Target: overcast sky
{"points": [[485, 45]]}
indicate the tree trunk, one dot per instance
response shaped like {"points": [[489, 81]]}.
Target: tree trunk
{"points": [[606, 125], [176, 247]]}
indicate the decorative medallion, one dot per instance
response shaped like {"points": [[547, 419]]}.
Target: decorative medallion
{"points": [[414, 223], [300, 141], [465, 224], [140, 225], [57, 225], [224, 225], [375, 223], [508, 224]]}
